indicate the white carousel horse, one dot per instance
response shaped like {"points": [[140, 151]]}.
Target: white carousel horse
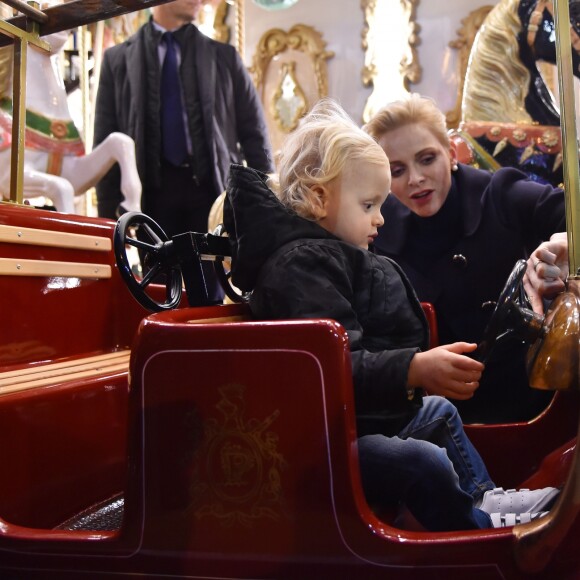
{"points": [[55, 163]]}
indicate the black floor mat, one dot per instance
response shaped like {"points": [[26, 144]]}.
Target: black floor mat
{"points": [[104, 516]]}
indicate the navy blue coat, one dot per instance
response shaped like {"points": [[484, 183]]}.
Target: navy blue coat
{"points": [[504, 217]]}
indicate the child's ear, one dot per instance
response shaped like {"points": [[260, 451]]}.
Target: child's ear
{"points": [[320, 200]]}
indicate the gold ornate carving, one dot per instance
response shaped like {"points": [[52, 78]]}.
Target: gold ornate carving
{"points": [[409, 67], [304, 47], [212, 18], [300, 37], [369, 70], [466, 35], [238, 466], [550, 138], [222, 30], [240, 27]]}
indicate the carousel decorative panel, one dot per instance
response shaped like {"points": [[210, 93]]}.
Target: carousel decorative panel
{"points": [[289, 70]]}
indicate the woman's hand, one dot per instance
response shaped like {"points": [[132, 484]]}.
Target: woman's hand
{"points": [[547, 271], [446, 371]]}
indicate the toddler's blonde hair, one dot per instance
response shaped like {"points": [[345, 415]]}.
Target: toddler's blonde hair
{"points": [[317, 152]]}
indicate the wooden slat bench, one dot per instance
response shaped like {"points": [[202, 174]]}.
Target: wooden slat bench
{"points": [[63, 372], [65, 335]]}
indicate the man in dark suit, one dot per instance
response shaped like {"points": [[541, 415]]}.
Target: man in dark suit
{"points": [[221, 112]]}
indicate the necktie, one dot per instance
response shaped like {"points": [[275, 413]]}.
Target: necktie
{"points": [[173, 138]]}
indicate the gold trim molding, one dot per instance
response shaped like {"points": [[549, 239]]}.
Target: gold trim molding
{"points": [[409, 68], [299, 37], [240, 27], [463, 43], [216, 20]]}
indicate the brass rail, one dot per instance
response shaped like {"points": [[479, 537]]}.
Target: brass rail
{"points": [[569, 135], [28, 10], [76, 13], [21, 39]]}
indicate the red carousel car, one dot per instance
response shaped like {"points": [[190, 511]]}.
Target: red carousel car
{"points": [[197, 443]]}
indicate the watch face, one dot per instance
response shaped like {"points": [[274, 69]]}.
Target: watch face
{"points": [[275, 4]]}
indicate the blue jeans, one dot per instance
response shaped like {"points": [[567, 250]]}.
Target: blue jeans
{"points": [[431, 467]]}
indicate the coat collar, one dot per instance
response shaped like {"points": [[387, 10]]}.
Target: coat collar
{"points": [[136, 45], [205, 62], [205, 59], [470, 183], [204, 53]]}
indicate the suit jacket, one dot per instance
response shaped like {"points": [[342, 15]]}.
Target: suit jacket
{"points": [[231, 109]]}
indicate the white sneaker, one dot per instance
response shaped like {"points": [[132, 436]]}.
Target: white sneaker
{"points": [[524, 501], [505, 520]]}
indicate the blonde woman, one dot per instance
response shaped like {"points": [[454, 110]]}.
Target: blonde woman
{"points": [[457, 232]]}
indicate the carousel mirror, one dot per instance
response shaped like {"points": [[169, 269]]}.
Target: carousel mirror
{"points": [[390, 37], [289, 102]]}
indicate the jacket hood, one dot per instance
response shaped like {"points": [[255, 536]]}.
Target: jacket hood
{"points": [[258, 224]]}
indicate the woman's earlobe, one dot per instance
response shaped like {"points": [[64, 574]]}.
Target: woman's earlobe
{"points": [[453, 157]]}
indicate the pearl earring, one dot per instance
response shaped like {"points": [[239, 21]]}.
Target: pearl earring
{"points": [[454, 167]]}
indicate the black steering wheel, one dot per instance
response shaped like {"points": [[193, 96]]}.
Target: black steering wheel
{"points": [[154, 262], [224, 274], [511, 317]]}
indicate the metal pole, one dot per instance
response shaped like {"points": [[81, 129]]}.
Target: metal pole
{"points": [[22, 38], [18, 121], [569, 135], [31, 11]]}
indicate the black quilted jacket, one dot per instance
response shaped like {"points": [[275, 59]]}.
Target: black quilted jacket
{"points": [[296, 269]]}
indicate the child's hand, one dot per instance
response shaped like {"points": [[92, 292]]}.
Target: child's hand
{"points": [[445, 371]]}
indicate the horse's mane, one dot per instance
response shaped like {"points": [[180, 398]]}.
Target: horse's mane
{"points": [[496, 82]]}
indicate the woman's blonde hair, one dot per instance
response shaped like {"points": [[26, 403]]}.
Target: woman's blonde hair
{"points": [[415, 109], [317, 152]]}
